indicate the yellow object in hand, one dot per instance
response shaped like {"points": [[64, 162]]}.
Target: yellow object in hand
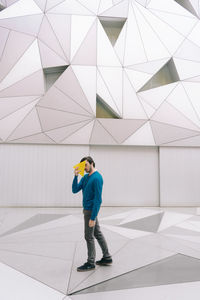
{"points": [[81, 167]]}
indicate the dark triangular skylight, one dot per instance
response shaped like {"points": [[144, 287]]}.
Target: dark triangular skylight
{"points": [[187, 5], [112, 27], [52, 74], [167, 74], [103, 110]]}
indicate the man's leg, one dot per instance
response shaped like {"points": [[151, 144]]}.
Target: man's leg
{"points": [[89, 237], [101, 240]]}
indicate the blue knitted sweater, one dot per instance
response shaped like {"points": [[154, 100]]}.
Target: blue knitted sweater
{"points": [[91, 187]]}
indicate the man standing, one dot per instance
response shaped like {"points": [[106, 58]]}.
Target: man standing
{"points": [[91, 185]]}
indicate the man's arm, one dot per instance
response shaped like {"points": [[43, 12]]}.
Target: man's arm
{"points": [[98, 184], [76, 187]]}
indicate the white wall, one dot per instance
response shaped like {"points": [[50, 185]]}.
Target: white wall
{"points": [[41, 175], [38, 175], [179, 176], [130, 175]]}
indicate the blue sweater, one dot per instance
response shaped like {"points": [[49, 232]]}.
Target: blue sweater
{"points": [[91, 187]]}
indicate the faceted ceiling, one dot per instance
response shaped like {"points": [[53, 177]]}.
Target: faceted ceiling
{"points": [[100, 72]]}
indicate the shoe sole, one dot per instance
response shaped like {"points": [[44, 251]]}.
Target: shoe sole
{"points": [[85, 270], [104, 264]]}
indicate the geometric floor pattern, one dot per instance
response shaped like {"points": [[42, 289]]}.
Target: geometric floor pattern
{"points": [[156, 254]]}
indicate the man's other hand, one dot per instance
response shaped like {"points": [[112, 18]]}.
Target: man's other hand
{"points": [[76, 171], [91, 223]]}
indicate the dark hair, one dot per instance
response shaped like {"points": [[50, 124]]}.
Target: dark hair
{"points": [[89, 159]]}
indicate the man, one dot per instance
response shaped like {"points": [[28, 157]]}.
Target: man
{"points": [[91, 185]]}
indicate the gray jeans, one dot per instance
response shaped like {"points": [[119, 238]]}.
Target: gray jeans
{"points": [[90, 233]]}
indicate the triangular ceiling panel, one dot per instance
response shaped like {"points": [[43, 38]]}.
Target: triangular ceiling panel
{"points": [[47, 36], [87, 83], [10, 57], [41, 4], [180, 23], [150, 67], [51, 118], [193, 89], [101, 136], [32, 22], [90, 42], [121, 129], [187, 68], [132, 107], [80, 25], [149, 110], [81, 136], [113, 80], [104, 5], [134, 48], [61, 134], [69, 85], [180, 100], [165, 133], [188, 51], [49, 58], [61, 25], [50, 4], [27, 65], [29, 126], [56, 99], [142, 2], [21, 8], [11, 104], [70, 7], [168, 114], [143, 136], [149, 36], [156, 96], [119, 10], [104, 94], [186, 142], [4, 36], [92, 5], [194, 34], [40, 138], [137, 79], [162, 30], [26, 86], [9, 123]]}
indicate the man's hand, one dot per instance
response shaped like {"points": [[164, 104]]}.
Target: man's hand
{"points": [[76, 171], [91, 223]]}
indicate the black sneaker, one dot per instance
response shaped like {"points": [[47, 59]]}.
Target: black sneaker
{"points": [[86, 267], [104, 261]]}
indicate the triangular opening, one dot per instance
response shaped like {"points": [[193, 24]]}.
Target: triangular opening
{"points": [[166, 75], [2, 7], [187, 5], [52, 74], [112, 27], [103, 110]]}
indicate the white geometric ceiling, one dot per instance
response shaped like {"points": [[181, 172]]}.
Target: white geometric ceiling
{"points": [[141, 57]]}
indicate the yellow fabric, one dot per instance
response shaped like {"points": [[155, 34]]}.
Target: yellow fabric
{"points": [[81, 167]]}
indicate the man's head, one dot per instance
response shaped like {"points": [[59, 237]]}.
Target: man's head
{"points": [[89, 164]]}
